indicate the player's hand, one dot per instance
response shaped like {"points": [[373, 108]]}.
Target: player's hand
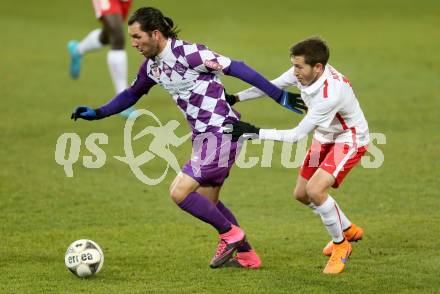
{"points": [[293, 102], [231, 99], [243, 131], [84, 112]]}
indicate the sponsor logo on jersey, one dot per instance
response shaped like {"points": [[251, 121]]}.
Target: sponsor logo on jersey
{"points": [[180, 68], [155, 70], [211, 64], [166, 69]]}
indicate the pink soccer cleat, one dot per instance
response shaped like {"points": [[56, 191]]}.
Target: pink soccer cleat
{"points": [[248, 259], [228, 244]]}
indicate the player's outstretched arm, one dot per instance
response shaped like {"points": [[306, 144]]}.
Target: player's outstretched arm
{"points": [[284, 81], [301, 131], [84, 112], [289, 100], [119, 103], [244, 131]]}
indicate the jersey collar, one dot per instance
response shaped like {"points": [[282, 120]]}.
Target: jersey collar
{"points": [[166, 51], [309, 90]]}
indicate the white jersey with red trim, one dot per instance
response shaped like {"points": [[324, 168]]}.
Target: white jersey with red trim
{"points": [[333, 108]]}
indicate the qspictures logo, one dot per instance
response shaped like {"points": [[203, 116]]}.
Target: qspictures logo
{"points": [[207, 149]]}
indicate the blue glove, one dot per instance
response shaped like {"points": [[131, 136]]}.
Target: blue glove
{"points": [[84, 112], [293, 102]]}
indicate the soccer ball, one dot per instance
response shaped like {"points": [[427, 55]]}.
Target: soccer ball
{"points": [[84, 258]]}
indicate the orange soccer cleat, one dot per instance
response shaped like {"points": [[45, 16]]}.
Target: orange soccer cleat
{"points": [[352, 234], [339, 258]]}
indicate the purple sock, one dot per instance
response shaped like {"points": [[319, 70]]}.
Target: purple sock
{"points": [[203, 209], [245, 247]]}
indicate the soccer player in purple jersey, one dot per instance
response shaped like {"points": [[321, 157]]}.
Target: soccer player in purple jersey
{"points": [[190, 73]]}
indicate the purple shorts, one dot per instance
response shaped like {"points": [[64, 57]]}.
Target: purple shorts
{"points": [[213, 155]]}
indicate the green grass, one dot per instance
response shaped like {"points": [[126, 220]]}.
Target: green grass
{"points": [[387, 48]]}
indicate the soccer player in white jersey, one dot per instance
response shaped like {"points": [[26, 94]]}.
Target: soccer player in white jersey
{"points": [[112, 14], [190, 73], [340, 139]]}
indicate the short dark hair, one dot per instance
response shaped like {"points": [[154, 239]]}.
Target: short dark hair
{"points": [[314, 50], [151, 19]]}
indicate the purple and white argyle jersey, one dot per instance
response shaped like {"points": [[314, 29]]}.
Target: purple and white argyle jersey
{"points": [[190, 73]]}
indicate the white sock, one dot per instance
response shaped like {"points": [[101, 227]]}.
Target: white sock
{"points": [[345, 222], [330, 217], [117, 64], [313, 207], [90, 42]]}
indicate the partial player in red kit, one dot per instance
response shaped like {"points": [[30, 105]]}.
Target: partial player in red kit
{"points": [[112, 15], [340, 139]]}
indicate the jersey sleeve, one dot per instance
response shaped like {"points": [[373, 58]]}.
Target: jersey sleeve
{"points": [[285, 80], [320, 115], [129, 96], [202, 59], [142, 83], [293, 135]]}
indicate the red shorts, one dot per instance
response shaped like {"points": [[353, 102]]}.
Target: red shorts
{"points": [[104, 7], [336, 158]]}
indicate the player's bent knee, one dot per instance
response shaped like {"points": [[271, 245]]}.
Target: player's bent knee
{"points": [[312, 191], [178, 195], [179, 191], [300, 195], [182, 186], [316, 193]]}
